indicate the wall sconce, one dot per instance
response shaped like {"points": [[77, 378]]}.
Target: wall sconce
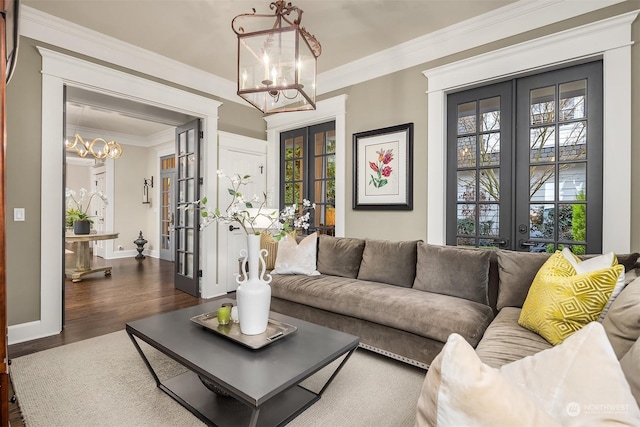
{"points": [[145, 190]]}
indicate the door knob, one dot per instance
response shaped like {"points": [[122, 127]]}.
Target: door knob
{"points": [[231, 228]]}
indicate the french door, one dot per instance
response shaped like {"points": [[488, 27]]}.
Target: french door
{"points": [[525, 163], [187, 190]]}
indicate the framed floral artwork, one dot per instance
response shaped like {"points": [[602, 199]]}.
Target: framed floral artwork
{"points": [[383, 168]]}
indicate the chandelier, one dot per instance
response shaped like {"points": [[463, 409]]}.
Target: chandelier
{"points": [[98, 148], [276, 64]]}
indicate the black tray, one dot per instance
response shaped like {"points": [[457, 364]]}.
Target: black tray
{"points": [[275, 330]]}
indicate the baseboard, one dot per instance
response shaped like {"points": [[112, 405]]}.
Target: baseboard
{"points": [[27, 332]]}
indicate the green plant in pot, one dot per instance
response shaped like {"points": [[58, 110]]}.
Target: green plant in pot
{"points": [[77, 214]]}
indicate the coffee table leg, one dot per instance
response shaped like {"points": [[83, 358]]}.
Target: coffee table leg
{"points": [[144, 358], [254, 417], [336, 371]]}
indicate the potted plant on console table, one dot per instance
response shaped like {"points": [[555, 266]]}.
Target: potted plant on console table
{"points": [[77, 215], [254, 293]]}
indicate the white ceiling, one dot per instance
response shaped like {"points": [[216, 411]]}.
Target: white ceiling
{"points": [[198, 33]]}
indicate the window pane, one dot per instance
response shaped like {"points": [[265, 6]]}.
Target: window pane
{"points": [[489, 220], [466, 241], [467, 186], [572, 100], [466, 118], [319, 172], [490, 149], [298, 148], [542, 142], [573, 141], [543, 105], [573, 181], [572, 222], [331, 166], [490, 185], [297, 170], [331, 192], [467, 218], [466, 152], [541, 221], [542, 183], [319, 143], [319, 192], [331, 141], [490, 114]]}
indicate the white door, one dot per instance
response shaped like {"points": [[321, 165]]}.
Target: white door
{"points": [[243, 160], [98, 210]]}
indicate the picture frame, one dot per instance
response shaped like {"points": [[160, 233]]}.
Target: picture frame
{"points": [[383, 168]]}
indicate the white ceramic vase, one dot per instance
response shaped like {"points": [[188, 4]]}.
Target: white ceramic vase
{"points": [[254, 293]]}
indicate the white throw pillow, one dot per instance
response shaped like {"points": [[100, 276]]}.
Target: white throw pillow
{"points": [[576, 383], [297, 258], [594, 264]]}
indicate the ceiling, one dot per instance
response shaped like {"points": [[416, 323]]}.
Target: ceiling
{"points": [[198, 32]]}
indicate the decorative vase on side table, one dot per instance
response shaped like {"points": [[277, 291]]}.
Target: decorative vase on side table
{"points": [[82, 227], [254, 293]]}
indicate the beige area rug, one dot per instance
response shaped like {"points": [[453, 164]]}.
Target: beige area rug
{"points": [[104, 382]]}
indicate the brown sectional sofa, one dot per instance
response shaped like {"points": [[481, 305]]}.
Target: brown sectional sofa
{"points": [[404, 299]]}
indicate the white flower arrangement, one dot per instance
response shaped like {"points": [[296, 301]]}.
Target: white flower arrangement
{"points": [[78, 204], [253, 215]]}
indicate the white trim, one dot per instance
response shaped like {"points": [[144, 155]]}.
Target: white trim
{"points": [[329, 109], [50, 29], [609, 39], [58, 70], [510, 20]]}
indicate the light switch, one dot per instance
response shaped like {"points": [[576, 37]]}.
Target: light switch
{"points": [[18, 214]]}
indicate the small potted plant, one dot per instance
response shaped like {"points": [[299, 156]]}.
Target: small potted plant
{"points": [[77, 209]]}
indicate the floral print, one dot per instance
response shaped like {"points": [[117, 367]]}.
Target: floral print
{"points": [[381, 168]]}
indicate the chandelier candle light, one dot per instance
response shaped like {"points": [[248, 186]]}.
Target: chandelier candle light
{"points": [[99, 147], [276, 61]]}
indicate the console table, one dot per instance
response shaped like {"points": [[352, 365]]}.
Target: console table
{"points": [[83, 254]]}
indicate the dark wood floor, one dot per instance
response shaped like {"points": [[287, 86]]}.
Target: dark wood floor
{"points": [[100, 305]]}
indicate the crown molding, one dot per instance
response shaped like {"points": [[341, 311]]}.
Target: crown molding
{"points": [[76, 38], [510, 20], [150, 141]]}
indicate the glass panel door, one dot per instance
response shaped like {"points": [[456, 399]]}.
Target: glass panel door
{"points": [[186, 220], [560, 160]]}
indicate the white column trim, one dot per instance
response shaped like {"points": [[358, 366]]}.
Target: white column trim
{"points": [[329, 109], [59, 70], [609, 39]]}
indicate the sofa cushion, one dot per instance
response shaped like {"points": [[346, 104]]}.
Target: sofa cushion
{"points": [[389, 262], [630, 365], [297, 258], [339, 256], [576, 383], [560, 301], [622, 322], [457, 272], [516, 271], [425, 314], [459, 390], [505, 341]]}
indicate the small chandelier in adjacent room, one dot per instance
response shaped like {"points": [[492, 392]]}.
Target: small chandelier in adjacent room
{"points": [[277, 61], [98, 148]]}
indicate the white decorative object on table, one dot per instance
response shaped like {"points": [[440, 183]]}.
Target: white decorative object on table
{"points": [[253, 293]]}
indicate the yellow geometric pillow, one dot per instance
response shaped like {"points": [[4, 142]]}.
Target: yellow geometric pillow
{"points": [[560, 301]]}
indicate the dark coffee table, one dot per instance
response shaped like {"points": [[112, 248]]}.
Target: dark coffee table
{"points": [[264, 384]]}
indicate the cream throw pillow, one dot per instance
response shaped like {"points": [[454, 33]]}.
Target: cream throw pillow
{"points": [[576, 383], [297, 258], [598, 263]]}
